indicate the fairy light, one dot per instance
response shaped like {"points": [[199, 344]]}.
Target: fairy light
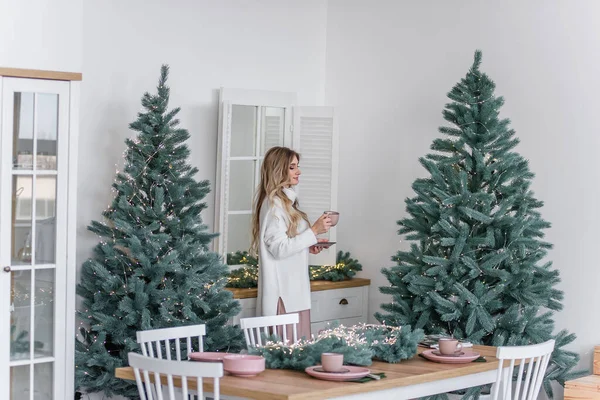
{"points": [[361, 340], [247, 276], [136, 186]]}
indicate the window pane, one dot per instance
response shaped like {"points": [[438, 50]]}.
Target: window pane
{"points": [[19, 382], [47, 130], [20, 318], [238, 236], [43, 381], [43, 344], [23, 116], [243, 131], [241, 185], [272, 128], [21, 219], [45, 213]]}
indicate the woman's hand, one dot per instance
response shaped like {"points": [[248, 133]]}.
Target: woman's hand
{"points": [[317, 249], [321, 225]]}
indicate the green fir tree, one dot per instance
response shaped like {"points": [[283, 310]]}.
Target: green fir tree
{"points": [[477, 267], [152, 268]]}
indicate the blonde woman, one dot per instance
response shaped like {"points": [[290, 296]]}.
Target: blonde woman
{"points": [[283, 237]]}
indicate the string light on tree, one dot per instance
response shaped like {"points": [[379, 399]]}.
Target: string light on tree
{"points": [[152, 264]]}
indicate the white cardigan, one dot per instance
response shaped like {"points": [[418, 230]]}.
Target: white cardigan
{"points": [[283, 261]]}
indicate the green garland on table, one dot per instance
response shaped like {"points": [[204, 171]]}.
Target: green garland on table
{"points": [[247, 276], [359, 344]]}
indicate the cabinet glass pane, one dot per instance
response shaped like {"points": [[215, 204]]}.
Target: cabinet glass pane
{"points": [[44, 313], [45, 216], [241, 184], [243, 131], [238, 235], [19, 382], [272, 128], [47, 131], [20, 318], [21, 219], [43, 381], [23, 117]]}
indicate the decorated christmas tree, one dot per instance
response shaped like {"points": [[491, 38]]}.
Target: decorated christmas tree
{"points": [[477, 266], [152, 267]]}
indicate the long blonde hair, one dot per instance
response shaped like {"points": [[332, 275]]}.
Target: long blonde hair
{"points": [[274, 177]]}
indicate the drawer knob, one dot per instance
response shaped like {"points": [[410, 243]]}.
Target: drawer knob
{"points": [[343, 301]]}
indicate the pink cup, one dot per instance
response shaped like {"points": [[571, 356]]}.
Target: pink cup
{"points": [[449, 346], [335, 217], [332, 362]]}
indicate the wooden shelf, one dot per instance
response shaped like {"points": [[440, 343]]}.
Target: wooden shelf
{"points": [[40, 74], [586, 387], [315, 286]]}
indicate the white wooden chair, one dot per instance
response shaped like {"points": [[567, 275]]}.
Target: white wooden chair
{"points": [[535, 358], [170, 368], [150, 340], [252, 327]]}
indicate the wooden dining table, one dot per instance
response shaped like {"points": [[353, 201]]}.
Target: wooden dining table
{"points": [[407, 379]]}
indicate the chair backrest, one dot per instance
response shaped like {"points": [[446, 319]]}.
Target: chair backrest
{"points": [[151, 341], [257, 326], [533, 363], [169, 368]]}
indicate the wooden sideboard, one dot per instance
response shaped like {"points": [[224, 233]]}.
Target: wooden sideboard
{"points": [[586, 387], [346, 302]]}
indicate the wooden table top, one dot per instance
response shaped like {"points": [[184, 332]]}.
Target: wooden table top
{"points": [[278, 384], [315, 286]]}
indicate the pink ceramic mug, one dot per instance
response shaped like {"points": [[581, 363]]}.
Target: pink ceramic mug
{"points": [[335, 217], [332, 362], [449, 346]]}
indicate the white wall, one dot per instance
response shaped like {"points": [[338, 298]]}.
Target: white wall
{"points": [[268, 44], [41, 34], [389, 66]]}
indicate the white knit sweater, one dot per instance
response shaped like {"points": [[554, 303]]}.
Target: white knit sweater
{"points": [[283, 270]]}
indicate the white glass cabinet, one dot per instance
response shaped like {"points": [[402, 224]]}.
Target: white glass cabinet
{"points": [[38, 124]]}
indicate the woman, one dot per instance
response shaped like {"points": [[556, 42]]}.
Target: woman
{"points": [[282, 237]]}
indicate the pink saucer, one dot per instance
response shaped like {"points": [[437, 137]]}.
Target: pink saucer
{"points": [[353, 373], [466, 357], [208, 356]]}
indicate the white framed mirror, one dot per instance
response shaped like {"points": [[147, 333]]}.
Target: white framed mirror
{"points": [[250, 123]]}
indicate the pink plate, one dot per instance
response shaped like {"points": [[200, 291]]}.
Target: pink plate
{"points": [[353, 373], [466, 357], [208, 356]]}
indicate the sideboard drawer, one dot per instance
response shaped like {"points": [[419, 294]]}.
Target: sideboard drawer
{"points": [[248, 310], [330, 305]]}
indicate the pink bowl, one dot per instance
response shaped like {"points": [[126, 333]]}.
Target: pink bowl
{"points": [[243, 364]]}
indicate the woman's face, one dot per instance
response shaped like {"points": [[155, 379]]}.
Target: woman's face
{"points": [[294, 172]]}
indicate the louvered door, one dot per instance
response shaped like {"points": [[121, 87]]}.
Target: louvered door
{"points": [[315, 138]]}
